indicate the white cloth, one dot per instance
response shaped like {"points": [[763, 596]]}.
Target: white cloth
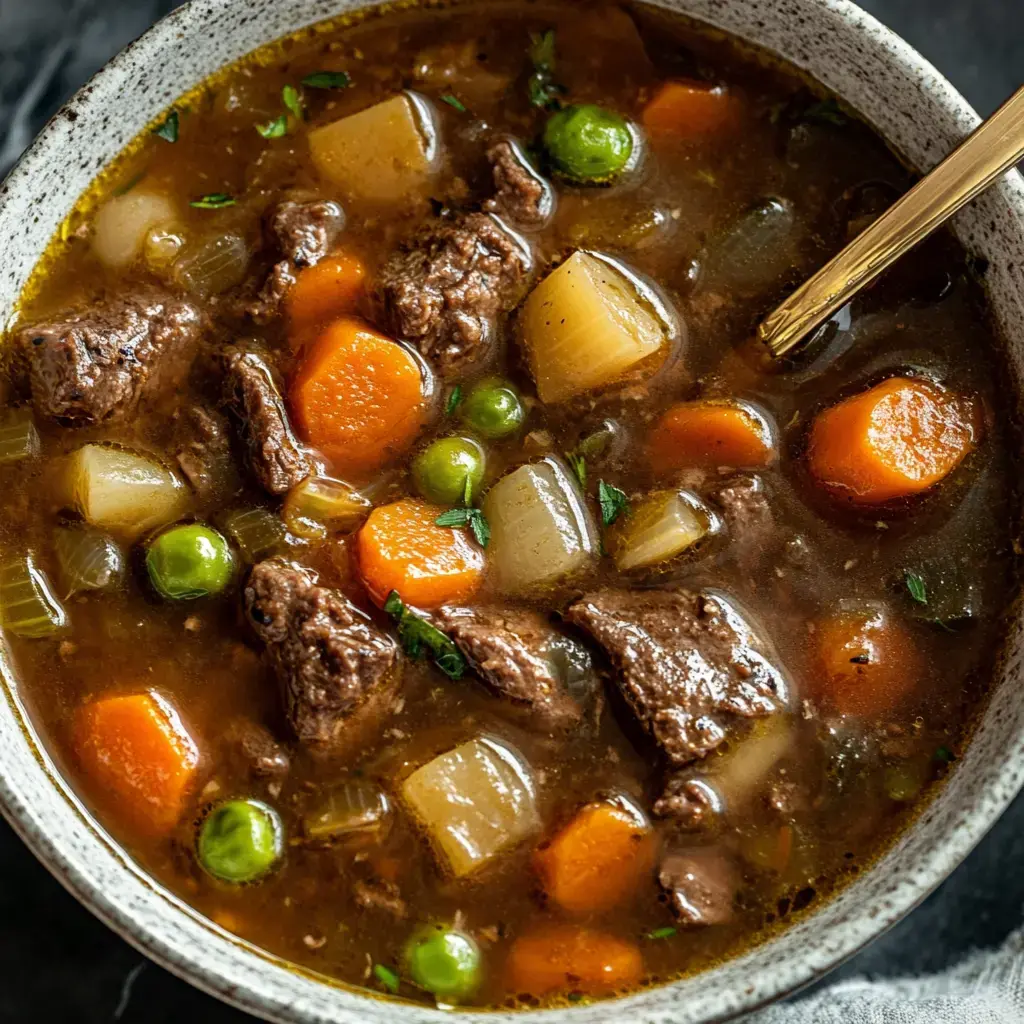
{"points": [[987, 988]]}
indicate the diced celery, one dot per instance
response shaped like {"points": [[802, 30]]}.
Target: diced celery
{"points": [[354, 809], [28, 607], [258, 532], [19, 438], [319, 506]]}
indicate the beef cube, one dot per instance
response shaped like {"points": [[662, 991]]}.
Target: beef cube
{"points": [[378, 894], [445, 287], [521, 195], [275, 457], [744, 507], [692, 802], [338, 672], [509, 648], [687, 663], [202, 448], [700, 885], [94, 365]]}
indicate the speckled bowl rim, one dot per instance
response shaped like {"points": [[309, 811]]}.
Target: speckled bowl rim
{"points": [[910, 104]]}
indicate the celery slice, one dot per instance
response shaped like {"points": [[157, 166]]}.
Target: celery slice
{"points": [[27, 605]]}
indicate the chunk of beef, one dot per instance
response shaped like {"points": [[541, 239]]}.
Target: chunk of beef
{"points": [[276, 458], [521, 194], [692, 802], [339, 673], [202, 448], [94, 365], [380, 895], [745, 509], [257, 750], [509, 648], [687, 663], [300, 233], [445, 287], [700, 885]]}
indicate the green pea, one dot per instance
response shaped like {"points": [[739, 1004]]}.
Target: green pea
{"points": [[493, 410], [441, 470], [588, 144], [445, 962], [240, 840], [189, 561]]}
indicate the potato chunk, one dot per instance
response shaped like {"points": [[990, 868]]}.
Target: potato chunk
{"points": [[475, 801], [585, 326], [381, 154]]}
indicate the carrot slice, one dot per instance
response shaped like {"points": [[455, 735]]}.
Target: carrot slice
{"points": [[867, 662], [599, 859], [324, 292], [358, 397], [710, 434], [401, 548], [895, 440], [139, 756], [571, 959], [686, 109]]}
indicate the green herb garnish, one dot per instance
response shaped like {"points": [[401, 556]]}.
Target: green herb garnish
{"points": [[293, 101], [453, 400], [386, 977], [168, 129], [662, 933], [327, 80], [826, 112], [417, 635], [944, 754], [916, 587], [578, 464], [613, 502], [455, 103], [543, 90], [274, 129], [457, 518], [213, 201]]}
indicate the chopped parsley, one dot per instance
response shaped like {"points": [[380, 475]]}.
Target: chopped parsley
{"points": [[662, 933], [293, 101], [327, 80], [544, 92], [213, 201], [578, 464], [274, 129], [915, 585], [168, 129], [386, 977], [458, 518], [455, 103], [613, 502], [826, 112], [453, 400], [417, 635]]}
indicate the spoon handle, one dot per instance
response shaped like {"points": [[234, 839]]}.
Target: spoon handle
{"points": [[984, 156]]}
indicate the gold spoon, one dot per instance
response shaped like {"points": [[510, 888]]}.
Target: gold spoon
{"points": [[988, 153]]}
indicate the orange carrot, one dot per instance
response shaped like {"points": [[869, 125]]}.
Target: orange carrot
{"points": [[709, 434], [599, 859], [570, 959], [358, 397], [687, 109], [139, 756], [324, 292], [866, 662], [895, 440], [401, 548]]}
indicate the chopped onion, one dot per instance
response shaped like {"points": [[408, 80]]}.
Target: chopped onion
{"points": [[213, 265], [123, 223], [19, 438], [87, 560], [475, 801], [356, 808], [163, 247], [661, 527], [739, 773], [124, 492], [28, 607], [586, 325], [258, 532], [541, 530], [319, 506], [574, 667]]}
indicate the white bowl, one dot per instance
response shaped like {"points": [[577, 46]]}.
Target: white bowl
{"points": [[922, 116]]}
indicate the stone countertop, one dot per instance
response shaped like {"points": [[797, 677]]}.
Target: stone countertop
{"points": [[58, 962]]}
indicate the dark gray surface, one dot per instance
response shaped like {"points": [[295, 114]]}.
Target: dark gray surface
{"points": [[56, 961]]}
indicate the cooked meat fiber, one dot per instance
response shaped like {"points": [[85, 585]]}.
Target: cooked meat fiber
{"points": [[700, 885], [202, 448], [686, 663], [378, 894], [276, 458], [94, 365], [301, 234], [445, 287], [508, 648], [338, 672], [256, 749], [521, 194]]}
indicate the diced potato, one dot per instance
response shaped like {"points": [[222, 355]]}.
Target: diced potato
{"points": [[585, 326], [541, 529], [124, 492], [476, 802], [123, 224], [380, 154], [661, 527]]}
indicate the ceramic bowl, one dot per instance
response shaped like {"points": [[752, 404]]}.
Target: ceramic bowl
{"points": [[922, 117]]}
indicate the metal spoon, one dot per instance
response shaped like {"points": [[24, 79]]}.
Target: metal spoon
{"points": [[988, 153]]}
